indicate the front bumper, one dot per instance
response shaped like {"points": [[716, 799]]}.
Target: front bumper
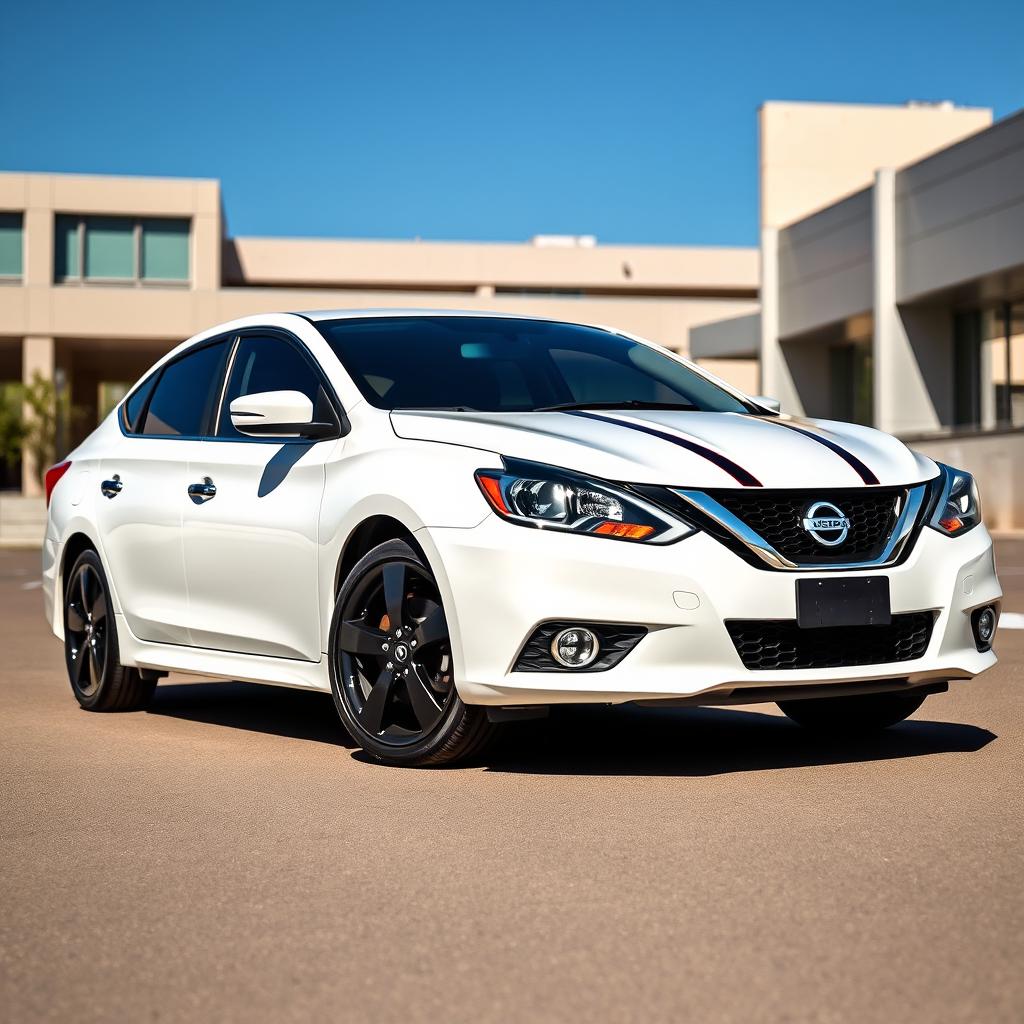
{"points": [[500, 581]]}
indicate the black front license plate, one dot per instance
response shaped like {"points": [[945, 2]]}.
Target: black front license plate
{"points": [[863, 601]]}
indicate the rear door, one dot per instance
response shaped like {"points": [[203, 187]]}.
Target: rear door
{"points": [[144, 485], [251, 539]]}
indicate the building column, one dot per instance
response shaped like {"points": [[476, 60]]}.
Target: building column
{"points": [[776, 378], [903, 346], [37, 356]]}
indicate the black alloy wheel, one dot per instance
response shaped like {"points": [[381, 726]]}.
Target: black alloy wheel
{"points": [[391, 664], [98, 679]]}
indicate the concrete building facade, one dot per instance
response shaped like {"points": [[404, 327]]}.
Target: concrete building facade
{"points": [[99, 276], [892, 281]]}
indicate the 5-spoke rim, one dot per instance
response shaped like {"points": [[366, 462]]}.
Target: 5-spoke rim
{"points": [[85, 630], [394, 654]]}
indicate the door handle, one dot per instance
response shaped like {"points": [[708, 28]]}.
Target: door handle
{"points": [[202, 492], [112, 488]]}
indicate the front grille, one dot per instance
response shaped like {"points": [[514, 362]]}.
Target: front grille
{"points": [[766, 644], [777, 516]]}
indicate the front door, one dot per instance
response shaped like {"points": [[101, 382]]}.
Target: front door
{"points": [[250, 531]]}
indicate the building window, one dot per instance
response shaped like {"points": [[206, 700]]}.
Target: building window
{"points": [[988, 347], [151, 250], [10, 245]]}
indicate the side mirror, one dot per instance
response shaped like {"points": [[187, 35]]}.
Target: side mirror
{"points": [[278, 414], [769, 403]]}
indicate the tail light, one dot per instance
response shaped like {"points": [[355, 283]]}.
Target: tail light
{"points": [[53, 474]]}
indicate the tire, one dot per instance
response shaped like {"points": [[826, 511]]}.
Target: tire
{"points": [[852, 715], [98, 679], [393, 683]]}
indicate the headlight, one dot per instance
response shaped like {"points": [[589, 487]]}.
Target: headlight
{"points": [[529, 494], [959, 507]]}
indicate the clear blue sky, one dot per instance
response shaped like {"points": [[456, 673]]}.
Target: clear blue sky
{"points": [[447, 119]]}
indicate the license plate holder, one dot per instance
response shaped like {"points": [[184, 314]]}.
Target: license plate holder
{"points": [[855, 601]]}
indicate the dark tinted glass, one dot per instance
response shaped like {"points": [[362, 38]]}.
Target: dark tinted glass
{"points": [[272, 364], [508, 365], [185, 396], [136, 403]]}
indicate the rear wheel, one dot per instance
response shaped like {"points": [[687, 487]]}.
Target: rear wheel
{"points": [[98, 679], [391, 664], [852, 715]]}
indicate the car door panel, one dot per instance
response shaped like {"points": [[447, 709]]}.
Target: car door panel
{"points": [[143, 487], [251, 546], [251, 551]]}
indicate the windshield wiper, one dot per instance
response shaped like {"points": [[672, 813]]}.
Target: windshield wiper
{"points": [[434, 408], [629, 403]]}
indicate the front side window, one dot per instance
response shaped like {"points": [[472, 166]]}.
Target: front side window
{"points": [[186, 393], [10, 245], [149, 250], [509, 365], [270, 363]]}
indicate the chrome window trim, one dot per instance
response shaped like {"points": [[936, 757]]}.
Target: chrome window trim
{"points": [[759, 546]]}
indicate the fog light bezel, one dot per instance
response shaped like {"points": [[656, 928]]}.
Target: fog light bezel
{"points": [[984, 645]]}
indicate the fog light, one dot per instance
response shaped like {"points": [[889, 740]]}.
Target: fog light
{"points": [[984, 627], [575, 647]]}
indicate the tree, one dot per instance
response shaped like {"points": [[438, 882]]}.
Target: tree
{"points": [[12, 426], [48, 414]]}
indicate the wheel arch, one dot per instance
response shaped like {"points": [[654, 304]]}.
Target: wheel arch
{"points": [[371, 532], [76, 542]]}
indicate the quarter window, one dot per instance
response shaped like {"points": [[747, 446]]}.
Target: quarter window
{"points": [[186, 393], [121, 249], [269, 363]]}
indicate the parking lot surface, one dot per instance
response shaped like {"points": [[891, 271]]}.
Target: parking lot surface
{"points": [[229, 856]]}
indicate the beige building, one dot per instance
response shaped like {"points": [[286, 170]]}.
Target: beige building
{"points": [[892, 281], [101, 275]]}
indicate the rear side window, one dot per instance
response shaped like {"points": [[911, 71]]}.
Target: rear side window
{"points": [[270, 363], [186, 393], [136, 404]]}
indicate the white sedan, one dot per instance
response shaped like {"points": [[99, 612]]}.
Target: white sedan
{"points": [[452, 520]]}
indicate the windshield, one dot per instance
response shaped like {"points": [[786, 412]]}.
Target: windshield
{"points": [[495, 364]]}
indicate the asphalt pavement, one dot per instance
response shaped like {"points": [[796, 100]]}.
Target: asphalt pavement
{"points": [[229, 856]]}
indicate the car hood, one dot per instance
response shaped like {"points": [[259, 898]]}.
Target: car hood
{"points": [[681, 449]]}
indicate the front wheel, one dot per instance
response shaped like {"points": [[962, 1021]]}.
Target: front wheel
{"points": [[852, 715], [391, 664]]}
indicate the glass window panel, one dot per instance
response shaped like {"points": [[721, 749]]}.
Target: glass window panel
{"points": [[10, 245], [271, 364], [65, 249], [109, 247], [186, 393], [135, 405], [165, 250]]}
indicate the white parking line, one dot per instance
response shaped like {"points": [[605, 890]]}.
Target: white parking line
{"points": [[32, 585], [1011, 620]]}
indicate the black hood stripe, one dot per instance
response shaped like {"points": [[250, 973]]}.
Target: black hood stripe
{"points": [[738, 473], [865, 474]]}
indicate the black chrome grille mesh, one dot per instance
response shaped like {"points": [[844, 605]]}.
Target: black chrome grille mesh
{"points": [[777, 517], [766, 644]]}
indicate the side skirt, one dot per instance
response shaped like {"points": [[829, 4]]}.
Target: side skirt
{"points": [[249, 668]]}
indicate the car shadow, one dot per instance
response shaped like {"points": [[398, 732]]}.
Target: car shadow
{"points": [[275, 710], [704, 742], [586, 740]]}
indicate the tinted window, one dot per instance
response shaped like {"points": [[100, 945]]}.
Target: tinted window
{"points": [[185, 396], [136, 403], [272, 364], [508, 365]]}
